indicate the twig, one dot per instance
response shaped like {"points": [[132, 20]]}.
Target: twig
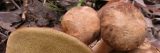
{"points": [[44, 2], [157, 49], [15, 4], [133, 2], [25, 9]]}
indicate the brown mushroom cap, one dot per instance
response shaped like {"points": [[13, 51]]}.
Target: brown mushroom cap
{"points": [[44, 40], [82, 23], [122, 26]]}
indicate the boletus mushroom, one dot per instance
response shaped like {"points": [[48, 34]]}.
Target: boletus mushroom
{"points": [[44, 40], [81, 22], [122, 25]]}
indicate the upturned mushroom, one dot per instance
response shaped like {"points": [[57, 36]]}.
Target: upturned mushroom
{"points": [[44, 40]]}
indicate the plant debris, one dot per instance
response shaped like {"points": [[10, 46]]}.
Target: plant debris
{"points": [[48, 13]]}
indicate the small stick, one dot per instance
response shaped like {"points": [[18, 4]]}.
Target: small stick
{"points": [[15, 4], [25, 9], [44, 2]]}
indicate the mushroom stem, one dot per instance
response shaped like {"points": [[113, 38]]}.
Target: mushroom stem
{"points": [[101, 47]]}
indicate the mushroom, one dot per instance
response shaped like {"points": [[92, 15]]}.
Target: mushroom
{"points": [[81, 22], [122, 25], [44, 40]]}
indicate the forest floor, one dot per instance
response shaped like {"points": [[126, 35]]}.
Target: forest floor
{"points": [[16, 14]]}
